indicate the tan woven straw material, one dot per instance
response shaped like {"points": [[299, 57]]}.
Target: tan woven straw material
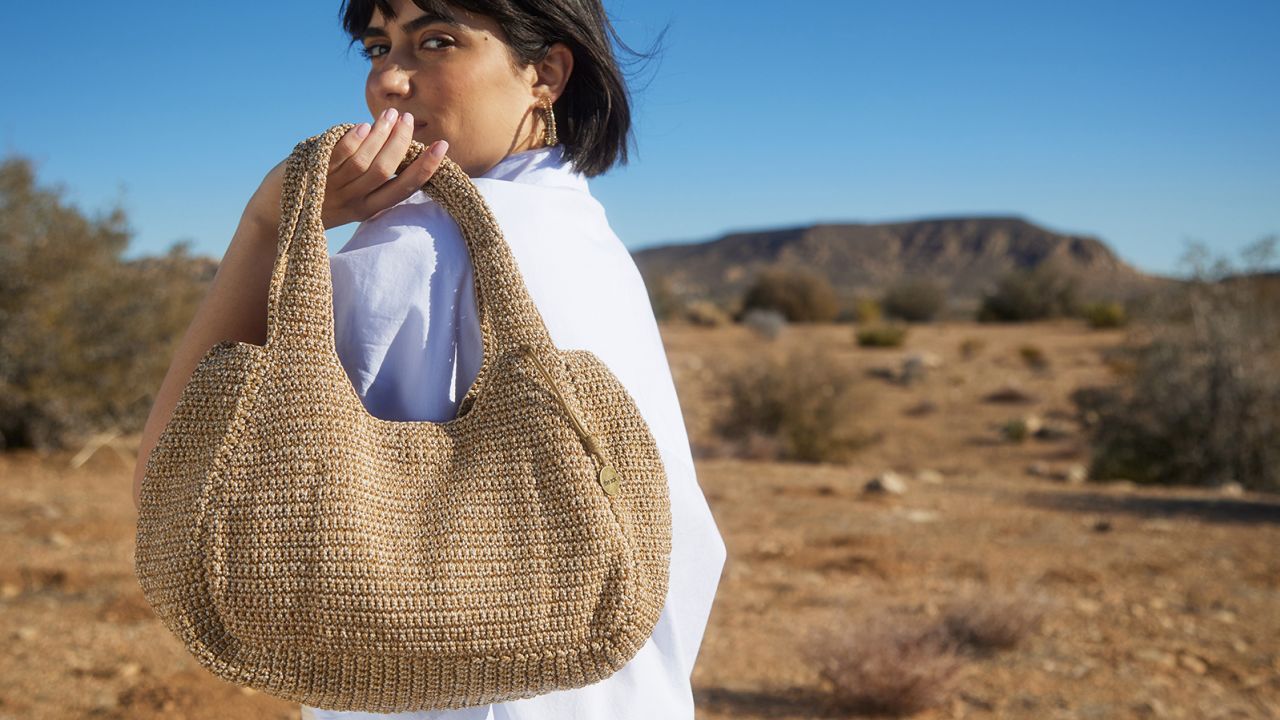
{"points": [[302, 547]]}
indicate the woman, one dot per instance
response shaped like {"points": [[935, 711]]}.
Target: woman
{"points": [[526, 97]]}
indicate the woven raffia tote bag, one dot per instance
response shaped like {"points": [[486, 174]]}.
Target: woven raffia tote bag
{"points": [[302, 547]]}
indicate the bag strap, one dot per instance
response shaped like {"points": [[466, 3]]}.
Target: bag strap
{"points": [[300, 300]]}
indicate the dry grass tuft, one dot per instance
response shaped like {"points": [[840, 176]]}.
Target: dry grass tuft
{"points": [[981, 623], [888, 665]]}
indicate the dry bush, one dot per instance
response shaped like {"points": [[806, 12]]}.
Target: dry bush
{"points": [[85, 337], [1200, 404], [705, 313], [1034, 357], [886, 665], [799, 294], [915, 300], [970, 347], [981, 623], [666, 303], [803, 399], [1044, 291]]}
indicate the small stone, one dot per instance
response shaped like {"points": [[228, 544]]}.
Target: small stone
{"points": [[932, 477], [1038, 468], [1193, 663], [59, 540], [1088, 606], [129, 670], [1151, 708], [885, 483], [1077, 474], [1231, 489], [916, 515], [1157, 657]]}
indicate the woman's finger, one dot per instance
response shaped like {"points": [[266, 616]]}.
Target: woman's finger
{"points": [[347, 145], [353, 172], [387, 161], [415, 175]]}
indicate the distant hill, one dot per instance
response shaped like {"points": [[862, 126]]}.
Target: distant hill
{"points": [[966, 255]]}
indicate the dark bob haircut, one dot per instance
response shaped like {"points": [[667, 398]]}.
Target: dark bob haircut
{"points": [[593, 114]]}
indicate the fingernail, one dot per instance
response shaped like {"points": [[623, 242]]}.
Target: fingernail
{"points": [[362, 129], [407, 119], [439, 148]]}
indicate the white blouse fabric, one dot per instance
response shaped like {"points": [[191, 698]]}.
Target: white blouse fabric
{"points": [[407, 332]]}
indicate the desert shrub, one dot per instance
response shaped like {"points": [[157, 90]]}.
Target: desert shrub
{"points": [[1103, 315], [800, 295], [667, 304], [867, 311], [885, 665], [1033, 356], [1021, 295], [970, 347], [914, 300], [765, 323], [882, 335], [85, 337], [705, 313], [1200, 403], [981, 623], [803, 399]]}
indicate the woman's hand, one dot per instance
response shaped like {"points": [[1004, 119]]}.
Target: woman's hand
{"points": [[362, 180]]}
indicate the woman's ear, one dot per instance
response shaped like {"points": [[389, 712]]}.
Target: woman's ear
{"points": [[553, 71]]}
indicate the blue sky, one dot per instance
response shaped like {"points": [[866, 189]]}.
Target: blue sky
{"points": [[1147, 124]]}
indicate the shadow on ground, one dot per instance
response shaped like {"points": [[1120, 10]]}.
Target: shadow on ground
{"points": [[1220, 510]]}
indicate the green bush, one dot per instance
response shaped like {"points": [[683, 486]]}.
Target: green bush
{"points": [[914, 300], [1036, 294], [882, 335], [800, 295], [1102, 315], [1200, 402], [866, 311], [85, 338]]}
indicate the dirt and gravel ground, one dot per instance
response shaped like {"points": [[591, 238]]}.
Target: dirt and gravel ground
{"points": [[1156, 602]]}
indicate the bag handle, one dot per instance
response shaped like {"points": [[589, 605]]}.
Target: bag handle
{"points": [[300, 300]]}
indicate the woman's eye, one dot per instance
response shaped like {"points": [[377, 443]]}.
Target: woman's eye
{"points": [[369, 52]]}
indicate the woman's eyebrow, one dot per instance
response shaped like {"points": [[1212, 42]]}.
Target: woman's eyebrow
{"points": [[413, 25]]}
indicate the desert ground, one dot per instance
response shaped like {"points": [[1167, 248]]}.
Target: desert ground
{"points": [[1153, 602]]}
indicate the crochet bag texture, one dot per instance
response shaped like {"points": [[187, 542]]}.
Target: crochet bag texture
{"points": [[302, 547]]}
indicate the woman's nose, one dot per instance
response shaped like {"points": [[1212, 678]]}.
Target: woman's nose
{"points": [[393, 78]]}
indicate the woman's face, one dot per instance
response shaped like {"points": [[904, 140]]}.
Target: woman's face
{"points": [[458, 82]]}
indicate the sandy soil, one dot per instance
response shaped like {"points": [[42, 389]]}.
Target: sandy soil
{"points": [[1158, 602]]}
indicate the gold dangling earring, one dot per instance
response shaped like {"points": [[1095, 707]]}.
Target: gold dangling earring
{"points": [[549, 119]]}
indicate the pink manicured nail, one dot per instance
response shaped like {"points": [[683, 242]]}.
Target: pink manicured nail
{"points": [[362, 129], [439, 148]]}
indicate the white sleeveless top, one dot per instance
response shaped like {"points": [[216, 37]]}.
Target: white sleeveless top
{"points": [[407, 332]]}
